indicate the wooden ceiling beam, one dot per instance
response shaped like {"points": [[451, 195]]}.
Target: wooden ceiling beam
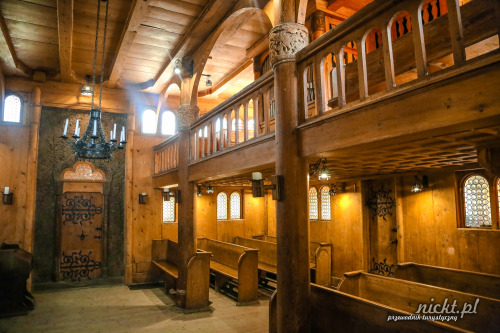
{"points": [[138, 12], [8, 53], [164, 70], [65, 34]]}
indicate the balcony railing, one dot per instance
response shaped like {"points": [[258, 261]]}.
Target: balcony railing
{"points": [[244, 117], [166, 155], [389, 44]]}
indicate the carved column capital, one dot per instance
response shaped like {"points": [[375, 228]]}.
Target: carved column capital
{"points": [[186, 115], [285, 40]]}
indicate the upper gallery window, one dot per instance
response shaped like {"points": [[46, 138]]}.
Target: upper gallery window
{"points": [[479, 200], [12, 109], [168, 123], [149, 121]]}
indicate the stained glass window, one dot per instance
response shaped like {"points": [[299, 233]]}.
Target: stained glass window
{"points": [[325, 204], [235, 205], [149, 121], [313, 204], [168, 123], [169, 210], [12, 109], [477, 202], [222, 206]]}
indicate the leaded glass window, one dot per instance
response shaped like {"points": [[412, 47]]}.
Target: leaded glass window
{"points": [[12, 109], [235, 205], [149, 121], [313, 204], [325, 204], [477, 202], [169, 210], [222, 206]]}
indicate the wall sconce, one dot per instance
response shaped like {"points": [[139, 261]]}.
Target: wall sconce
{"points": [[186, 64], [167, 194], [208, 83], [7, 196], [142, 198], [334, 189], [199, 191], [420, 184], [258, 186], [321, 169]]}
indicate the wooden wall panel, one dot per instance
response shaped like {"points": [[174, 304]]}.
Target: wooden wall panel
{"points": [[431, 235], [147, 218], [254, 222], [14, 145], [347, 233]]}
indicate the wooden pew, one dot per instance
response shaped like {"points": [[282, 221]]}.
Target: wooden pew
{"points": [[332, 310], [410, 296], [268, 252], [320, 257], [165, 256], [482, 284], [234, 263]]}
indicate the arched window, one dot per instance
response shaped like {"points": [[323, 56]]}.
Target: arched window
{"points": [[313, 204], [169, 210], [168, 123], [149, 121], [235, 205], [325, 204], [12, 109], [477, 202], [222, 206]]}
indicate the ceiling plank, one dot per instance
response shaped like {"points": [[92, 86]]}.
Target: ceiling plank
{"points": [[65, 34], [7, 51], [138, 13]]}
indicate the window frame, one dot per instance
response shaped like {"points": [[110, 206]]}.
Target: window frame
{"points": [[320, 207], [493, 181], [317, 204], [175, 211], [320, 202], [21, 111]]}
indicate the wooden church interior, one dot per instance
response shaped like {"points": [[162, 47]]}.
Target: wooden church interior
{"points": [[341, 156]]}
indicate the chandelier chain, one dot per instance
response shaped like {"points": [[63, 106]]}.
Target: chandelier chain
{"points": [[103, 49], [95, 51]]}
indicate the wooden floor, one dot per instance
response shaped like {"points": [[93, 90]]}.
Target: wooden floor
{"points": [[118, 309]]}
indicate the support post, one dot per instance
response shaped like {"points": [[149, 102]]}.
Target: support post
{"points": [[291, 212]]}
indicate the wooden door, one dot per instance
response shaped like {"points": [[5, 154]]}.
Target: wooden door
{"points": [[80, 255], [383, 226]]}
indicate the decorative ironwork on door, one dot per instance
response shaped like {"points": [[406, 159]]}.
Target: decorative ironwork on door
{"points": [[81, 234]]}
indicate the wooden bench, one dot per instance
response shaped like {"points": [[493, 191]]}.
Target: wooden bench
{"points": [[165, 256], [409, 296], [234, 263], [334, 310], [320, 256], [482, 284]]}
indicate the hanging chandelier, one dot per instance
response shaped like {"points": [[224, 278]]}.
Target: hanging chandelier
{"points": [[93, 144]]}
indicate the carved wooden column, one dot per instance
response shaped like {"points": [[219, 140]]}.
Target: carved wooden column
{"points": [[291, 212], [186, 115], [318, 25]]}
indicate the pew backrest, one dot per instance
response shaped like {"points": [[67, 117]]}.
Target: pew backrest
{"points": [[268, 252], [225, 253], [470, 282]]}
